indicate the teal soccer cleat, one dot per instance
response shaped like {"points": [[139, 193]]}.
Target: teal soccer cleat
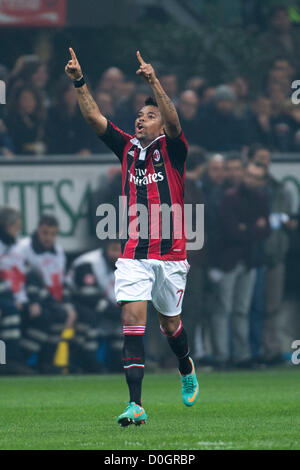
{"points": [[134, 414], [190, 387]]}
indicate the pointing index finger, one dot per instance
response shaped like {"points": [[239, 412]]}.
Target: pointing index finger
{"points": [[73, 55], [140, 59]]}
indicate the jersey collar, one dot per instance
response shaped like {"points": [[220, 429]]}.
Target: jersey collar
{"points": [[136, 142]]}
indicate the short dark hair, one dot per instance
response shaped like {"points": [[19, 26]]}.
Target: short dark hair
{"points": [[150, 101], [254, 148], [49, 220], [233, 156]]}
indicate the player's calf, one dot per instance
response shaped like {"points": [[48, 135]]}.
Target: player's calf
{"points": [[178, 341]]}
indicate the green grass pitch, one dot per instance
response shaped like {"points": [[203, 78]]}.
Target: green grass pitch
{"points": [[236, 410]]}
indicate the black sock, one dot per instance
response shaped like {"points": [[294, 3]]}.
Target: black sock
{"points": [[133, 362], [180, 347]]}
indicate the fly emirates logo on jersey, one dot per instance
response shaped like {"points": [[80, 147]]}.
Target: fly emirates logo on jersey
{"points": [[142, 178]]}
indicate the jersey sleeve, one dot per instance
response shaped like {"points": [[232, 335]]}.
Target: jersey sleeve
{"points": [[115, 139], [177, 150], [177, 147]]}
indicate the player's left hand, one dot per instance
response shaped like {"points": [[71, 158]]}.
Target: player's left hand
{"points": [[146, 70]]}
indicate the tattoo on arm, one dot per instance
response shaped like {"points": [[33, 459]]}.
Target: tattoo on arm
{"points": [[86, 100], [168, 111], [90, 110], [166, 100]]}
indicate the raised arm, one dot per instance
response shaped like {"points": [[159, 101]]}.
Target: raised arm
{"points": [[87, 104], [165, 105]]}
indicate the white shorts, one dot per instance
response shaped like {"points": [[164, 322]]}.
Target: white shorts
{"points": [[162, 282]]}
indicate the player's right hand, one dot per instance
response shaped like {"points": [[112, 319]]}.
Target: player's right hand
{"points": [[73, 69]]}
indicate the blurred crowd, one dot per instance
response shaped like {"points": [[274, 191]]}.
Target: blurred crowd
{"points": [[237, 281], [40, 119]]}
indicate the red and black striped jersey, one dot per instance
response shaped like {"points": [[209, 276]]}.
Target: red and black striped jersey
{"points": [[152, 177]]}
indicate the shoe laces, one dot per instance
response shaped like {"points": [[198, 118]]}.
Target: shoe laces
{"points": [[188, 383]]}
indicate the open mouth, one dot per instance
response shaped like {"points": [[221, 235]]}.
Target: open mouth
{"points": [[139, 127]]}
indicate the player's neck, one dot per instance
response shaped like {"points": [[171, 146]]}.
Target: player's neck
{"points": [[145, 142]]}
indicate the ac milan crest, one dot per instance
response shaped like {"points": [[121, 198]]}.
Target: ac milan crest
{"points": [[156, 155]]}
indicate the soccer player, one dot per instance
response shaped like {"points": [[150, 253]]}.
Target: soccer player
{"points": [[153, 268]]}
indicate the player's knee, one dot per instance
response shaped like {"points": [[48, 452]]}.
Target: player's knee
{"points": [[169, 325]]}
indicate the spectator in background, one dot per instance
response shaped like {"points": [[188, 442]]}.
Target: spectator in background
{"points": [[234, 170], [240, 87], [277, 97], [259, 123], [244, 215], [220, 129], [105, 102], [283, 127], [196, 84], [39, 80], [126, 112], [91, 278], [234, 177], [256, 311], [282, 64], [12, 292], [212, 185], [273, 122], [287, 128], [193, 302], [187, 108], [207, 95], [128, 88], [26, 121], [66, 130], [280, 76], [282, 224], [112, 81], [50, 311], [30, 70]]}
